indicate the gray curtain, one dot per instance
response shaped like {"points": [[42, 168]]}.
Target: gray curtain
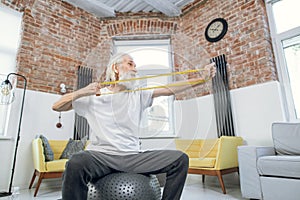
{"points": [[81, 127], [222, 101]]}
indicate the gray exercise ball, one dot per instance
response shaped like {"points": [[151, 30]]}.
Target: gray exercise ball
{"points": [[125, 186]]}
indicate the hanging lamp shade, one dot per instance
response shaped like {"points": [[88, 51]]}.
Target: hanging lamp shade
{"points": [[7, 94]]}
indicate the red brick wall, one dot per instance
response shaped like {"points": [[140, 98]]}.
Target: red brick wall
{"points": [[58, 37], [247, 44]]}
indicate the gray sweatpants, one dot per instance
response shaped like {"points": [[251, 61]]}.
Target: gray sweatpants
{"points": [[87, 166]]}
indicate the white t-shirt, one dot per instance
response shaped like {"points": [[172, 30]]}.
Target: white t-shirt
{"points": [[114, 119]]}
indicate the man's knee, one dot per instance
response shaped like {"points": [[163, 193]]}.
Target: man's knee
{"points": [[185, 161], [77, 161]]}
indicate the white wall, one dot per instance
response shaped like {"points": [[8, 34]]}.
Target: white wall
{"points": [[38, 118], [254, 110]]}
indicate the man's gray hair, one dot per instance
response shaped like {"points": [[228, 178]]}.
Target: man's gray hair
{"points": [[115, 60]]}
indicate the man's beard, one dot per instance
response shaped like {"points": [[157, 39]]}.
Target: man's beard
{"points": [[130, 85]]}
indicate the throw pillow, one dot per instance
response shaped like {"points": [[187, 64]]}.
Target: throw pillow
{"points": [[49, 156], [73, 146]]}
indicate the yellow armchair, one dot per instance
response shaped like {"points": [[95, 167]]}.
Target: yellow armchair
{"points": [[49, 169], [214, 157]]}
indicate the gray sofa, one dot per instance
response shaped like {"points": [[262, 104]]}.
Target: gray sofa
{"points": [[272, 173]]}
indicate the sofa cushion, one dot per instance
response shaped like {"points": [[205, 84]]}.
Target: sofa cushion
{"points": [[282, 166], [73, 146], [274, 188], [49, 156], [202, 162], [56, 165], [286, 138]]}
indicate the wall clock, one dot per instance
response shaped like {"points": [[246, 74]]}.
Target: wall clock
{"points": [[216, 30]]}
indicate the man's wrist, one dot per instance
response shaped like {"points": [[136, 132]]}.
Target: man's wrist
{"points": [[77, 94]]}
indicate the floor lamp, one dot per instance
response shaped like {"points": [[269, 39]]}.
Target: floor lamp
{"points": [[7, 97]]}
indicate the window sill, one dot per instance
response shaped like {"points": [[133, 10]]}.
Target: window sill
{"points": [[2, 137]]}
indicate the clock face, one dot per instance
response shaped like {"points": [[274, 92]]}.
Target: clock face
{"points": [[216, 30]]}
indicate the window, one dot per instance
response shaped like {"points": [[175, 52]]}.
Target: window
{"points": [[291, 49], [285, 30], [10, 21], [286, 14], [152, 57]]}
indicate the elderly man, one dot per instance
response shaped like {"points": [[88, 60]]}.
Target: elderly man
{"points": [[114, 119]]}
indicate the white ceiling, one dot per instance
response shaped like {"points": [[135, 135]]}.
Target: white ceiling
{"points": [[109, 8]]}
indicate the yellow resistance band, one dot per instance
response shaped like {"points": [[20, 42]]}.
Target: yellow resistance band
{"points": [[155, 76], [159, 86], [152, 76]]}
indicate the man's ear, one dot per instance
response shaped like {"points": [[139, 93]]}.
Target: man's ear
{"points": [[115, 68], [116, 71]]}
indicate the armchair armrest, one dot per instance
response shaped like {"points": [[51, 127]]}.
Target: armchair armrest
{"points": [[38, 155], [249, 177], [227, 152]]}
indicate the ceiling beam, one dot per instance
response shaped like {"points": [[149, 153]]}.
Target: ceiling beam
{"points": [[165, 6], [94, 6]]}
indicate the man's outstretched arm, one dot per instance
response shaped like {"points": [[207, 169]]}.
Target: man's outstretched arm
{"points": [[181, 86], [65, 102]]}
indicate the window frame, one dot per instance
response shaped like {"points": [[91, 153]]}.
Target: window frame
{"points": [[153, 41], [282, 69]]}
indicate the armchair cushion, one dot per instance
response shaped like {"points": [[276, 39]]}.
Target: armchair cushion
{"points": [[279, 166], [56, 165], [49, 156], [286, 138], [202, 162]]}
